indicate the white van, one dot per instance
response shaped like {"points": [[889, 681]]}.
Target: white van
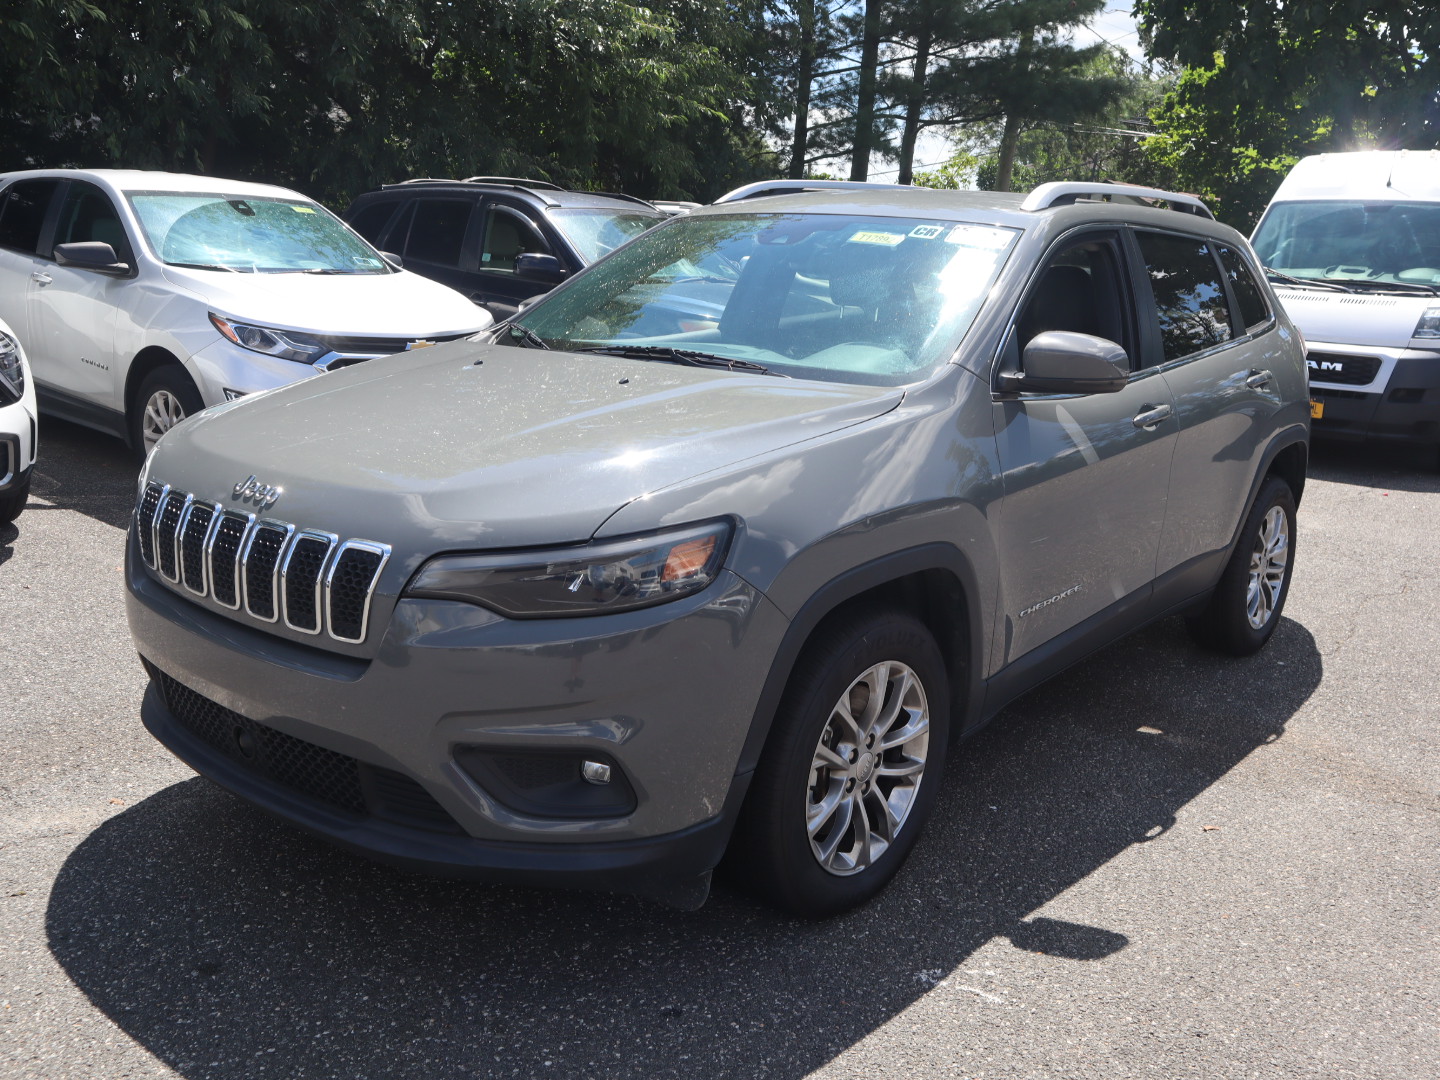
{"points": [[1352, 244], [143, 297]]}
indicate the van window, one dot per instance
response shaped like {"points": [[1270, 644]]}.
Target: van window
{"points": [[1386, 241], [1189, 298]]}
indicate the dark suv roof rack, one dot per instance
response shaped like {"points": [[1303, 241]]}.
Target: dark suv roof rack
{"points": [[512, 181]]}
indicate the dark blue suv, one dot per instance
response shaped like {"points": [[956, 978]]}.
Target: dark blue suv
{"points": [[497, 239]]}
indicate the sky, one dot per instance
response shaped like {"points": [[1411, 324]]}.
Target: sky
{"points": [[1114, 25]]}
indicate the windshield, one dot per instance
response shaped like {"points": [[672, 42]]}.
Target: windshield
{"points": [[599, 232], [826, 296], [251, 235], [1387, 241]]}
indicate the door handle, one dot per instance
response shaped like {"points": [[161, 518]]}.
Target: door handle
{"points": [[42, 277], [1256, 379], [1152, 415]]}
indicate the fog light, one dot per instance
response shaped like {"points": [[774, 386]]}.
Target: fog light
{"points": [[597, 772]]}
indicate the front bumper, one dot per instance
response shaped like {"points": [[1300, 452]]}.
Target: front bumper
{"points": [[1400, 402], [666, 693]]}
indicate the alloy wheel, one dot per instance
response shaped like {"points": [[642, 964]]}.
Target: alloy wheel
{"points": [[1269, 561], [162, 412], [867, 768]]}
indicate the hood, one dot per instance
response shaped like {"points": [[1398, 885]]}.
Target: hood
{"points": [[343, 305], [1382, 322], [482, 446]]}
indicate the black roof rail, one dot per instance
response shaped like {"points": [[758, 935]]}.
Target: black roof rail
{"points": [[423, 180], [512, 181], [1065, 192]]}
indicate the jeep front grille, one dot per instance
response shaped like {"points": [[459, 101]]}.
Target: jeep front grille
{"points": [[310, 580]]}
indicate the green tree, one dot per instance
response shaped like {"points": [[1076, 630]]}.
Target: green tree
{"points": [[1266, 82]]}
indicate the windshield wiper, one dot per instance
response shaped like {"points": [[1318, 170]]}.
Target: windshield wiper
{"points": [[681, 356], [519, 333], [1276, 275], [1388, 286], [206, 266], [329, 270]]}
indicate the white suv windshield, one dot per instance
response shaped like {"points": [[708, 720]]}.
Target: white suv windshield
{"points": [[1386, 241], [599, 232], [827, 296], [250, 234]]}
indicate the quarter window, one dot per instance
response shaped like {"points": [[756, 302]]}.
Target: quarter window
{"points": [[1248, 297], [22, 214], [1190, 300]]}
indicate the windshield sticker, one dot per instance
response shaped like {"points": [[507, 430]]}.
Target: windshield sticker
{"points": [[978, 236], [884, 238], [927, 232], [365, 260], [303, 209]]}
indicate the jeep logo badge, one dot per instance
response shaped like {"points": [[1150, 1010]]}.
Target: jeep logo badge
{"points": [[262, 495]]}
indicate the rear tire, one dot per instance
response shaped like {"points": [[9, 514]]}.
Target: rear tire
{"points": [[12, 502], [852, 767], [166, 397], [1245, 608]]}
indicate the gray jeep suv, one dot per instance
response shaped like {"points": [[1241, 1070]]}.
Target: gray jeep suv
{"points": [[604, 592]]}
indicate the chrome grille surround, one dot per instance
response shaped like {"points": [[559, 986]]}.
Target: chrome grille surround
{"points": [[268, 570]]}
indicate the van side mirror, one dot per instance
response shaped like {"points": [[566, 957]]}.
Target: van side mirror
{"points": [[1062, 362], [536, 267], [91, 255]]}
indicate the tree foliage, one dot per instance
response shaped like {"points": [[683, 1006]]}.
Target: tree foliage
{"points": [[1267, 81]]}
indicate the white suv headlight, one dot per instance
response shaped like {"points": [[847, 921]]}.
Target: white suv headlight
{"points": [[1429, 324], [286, 344], [12, 371], [594, 579]]}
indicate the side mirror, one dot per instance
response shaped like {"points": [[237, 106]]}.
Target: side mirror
{"points": [[1061, 362], [393, 259], [535, 267], [527, 302], [91, 255]]}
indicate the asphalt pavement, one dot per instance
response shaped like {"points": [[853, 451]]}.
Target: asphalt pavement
{"points": [[1161, 864]]}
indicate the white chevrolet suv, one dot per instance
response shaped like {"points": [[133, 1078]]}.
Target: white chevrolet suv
{"points": [[143, 297]]}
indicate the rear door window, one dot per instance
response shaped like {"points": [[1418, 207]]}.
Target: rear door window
{"points": [[370, 222], [1190, 300], [437, 232], [22, 214]]}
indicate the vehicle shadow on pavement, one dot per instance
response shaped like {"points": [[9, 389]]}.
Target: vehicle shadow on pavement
{"points": [[83, 470], [1378, 465], [230, 945]]}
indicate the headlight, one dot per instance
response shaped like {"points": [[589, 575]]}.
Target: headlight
{"points": [[12, 371], [596, 579], [286, 344], [1429, 324]]}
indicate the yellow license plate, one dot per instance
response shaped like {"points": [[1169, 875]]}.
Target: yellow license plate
{"points": [[1317, 410]]}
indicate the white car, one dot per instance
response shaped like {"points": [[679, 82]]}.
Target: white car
{"points": [[143, 297], [18, 436]]}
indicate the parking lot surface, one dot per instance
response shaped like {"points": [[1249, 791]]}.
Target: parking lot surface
{"points": [[1161, 864]]}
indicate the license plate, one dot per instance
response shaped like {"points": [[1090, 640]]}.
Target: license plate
{"points": [[1317, 410]]}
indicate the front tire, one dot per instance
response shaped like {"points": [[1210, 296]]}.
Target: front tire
{"points": [[12, 502], [166, 397], [852, 768], [1244, 609]]}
